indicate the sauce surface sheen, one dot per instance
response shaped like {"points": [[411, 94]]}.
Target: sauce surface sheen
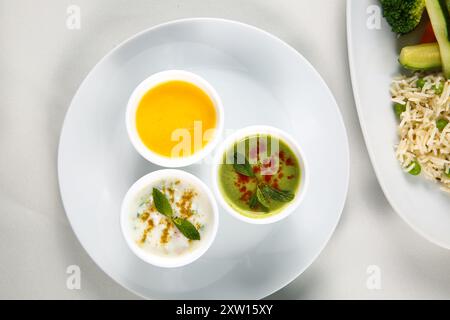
{"points": [[169, 112]]}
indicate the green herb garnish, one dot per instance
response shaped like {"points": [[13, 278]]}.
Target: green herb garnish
{"points": [[253, 202], [262, 199], [162, 204], [242, 168], [186, 228], [264, 193], [278, 195]]}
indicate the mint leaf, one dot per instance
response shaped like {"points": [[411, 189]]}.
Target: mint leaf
{"points": [[186, 228], [162, 203], [277, 195], [262, 199], [242, 168], [253, 202]]}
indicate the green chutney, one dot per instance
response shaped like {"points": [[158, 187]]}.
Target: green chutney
{"points": [[266, 162]]}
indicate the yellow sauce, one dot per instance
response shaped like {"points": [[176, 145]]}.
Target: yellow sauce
{"points": [[172, 114]]}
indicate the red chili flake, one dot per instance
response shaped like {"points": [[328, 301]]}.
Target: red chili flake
{"points": [[267, 178], [289, 162], [267, 163], [242, 179], [282, 155], [290, 176], [280, 171], [243, 189], [280, 175], [246, 196], [275, 184], [256, 169]]}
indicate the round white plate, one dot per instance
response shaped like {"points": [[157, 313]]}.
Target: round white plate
{"points": [[373, 54], [261, 81]]}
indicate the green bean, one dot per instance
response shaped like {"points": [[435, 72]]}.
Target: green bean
{"points": [[441, 123], [420, 83], [416, 169], [399, 109], [438, 88], [447, 173]]}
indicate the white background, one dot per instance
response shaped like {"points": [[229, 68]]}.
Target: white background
{"points": [[42, 63]]}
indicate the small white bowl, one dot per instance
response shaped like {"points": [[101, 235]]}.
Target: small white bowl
{"points": [[254, 130], [130, 200], [152, 82]]}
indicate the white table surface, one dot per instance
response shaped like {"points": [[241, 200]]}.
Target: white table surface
{"points": [[42, 64]]}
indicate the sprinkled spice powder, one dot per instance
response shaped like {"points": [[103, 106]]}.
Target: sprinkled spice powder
{"points": [[147, 230], [165, 236], [185, 203], [156, 232], [272, 167]]}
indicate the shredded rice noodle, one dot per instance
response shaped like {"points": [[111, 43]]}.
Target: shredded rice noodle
{"points": [[420, 139]]}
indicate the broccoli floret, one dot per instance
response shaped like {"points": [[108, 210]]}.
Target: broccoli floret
{"points": [[403, 15]]}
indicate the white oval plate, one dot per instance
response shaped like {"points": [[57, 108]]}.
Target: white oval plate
{"points": [[261, 81], [373, 55]]}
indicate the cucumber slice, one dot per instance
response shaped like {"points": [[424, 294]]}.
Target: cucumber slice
{"points": [[422, 57], [440, 20]]}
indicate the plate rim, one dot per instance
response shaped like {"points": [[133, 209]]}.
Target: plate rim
{"points": [[339, 119], [356, 98]]}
